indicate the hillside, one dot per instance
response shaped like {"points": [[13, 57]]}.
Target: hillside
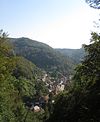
{"points": [[43, 56], [20, 82], [76, 54]]}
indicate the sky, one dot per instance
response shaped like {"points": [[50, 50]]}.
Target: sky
{"points": [[58, 23]]}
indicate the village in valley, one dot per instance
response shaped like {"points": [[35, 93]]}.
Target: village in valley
{"points": [[38, 103]]}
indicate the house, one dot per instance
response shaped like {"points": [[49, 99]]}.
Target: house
{"points": [[37, 109]]}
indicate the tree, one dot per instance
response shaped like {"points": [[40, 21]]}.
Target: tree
{"points": [[18, 78], [81, 102], [94, 3], [5, 45]]}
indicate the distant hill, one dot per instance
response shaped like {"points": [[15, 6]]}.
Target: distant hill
{"points": [[75, 54], [43, 55]]}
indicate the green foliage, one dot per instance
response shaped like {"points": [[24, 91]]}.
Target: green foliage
{"points": [[89, 70], [18, 78], [81, 102], [42, 55], [25, 68], [5, 46], [41, 88], [76, 55]]}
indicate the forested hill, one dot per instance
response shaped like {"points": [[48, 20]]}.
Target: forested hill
{"points": [[23, 88], [43, 56], [76, 54], [20, 81]]}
